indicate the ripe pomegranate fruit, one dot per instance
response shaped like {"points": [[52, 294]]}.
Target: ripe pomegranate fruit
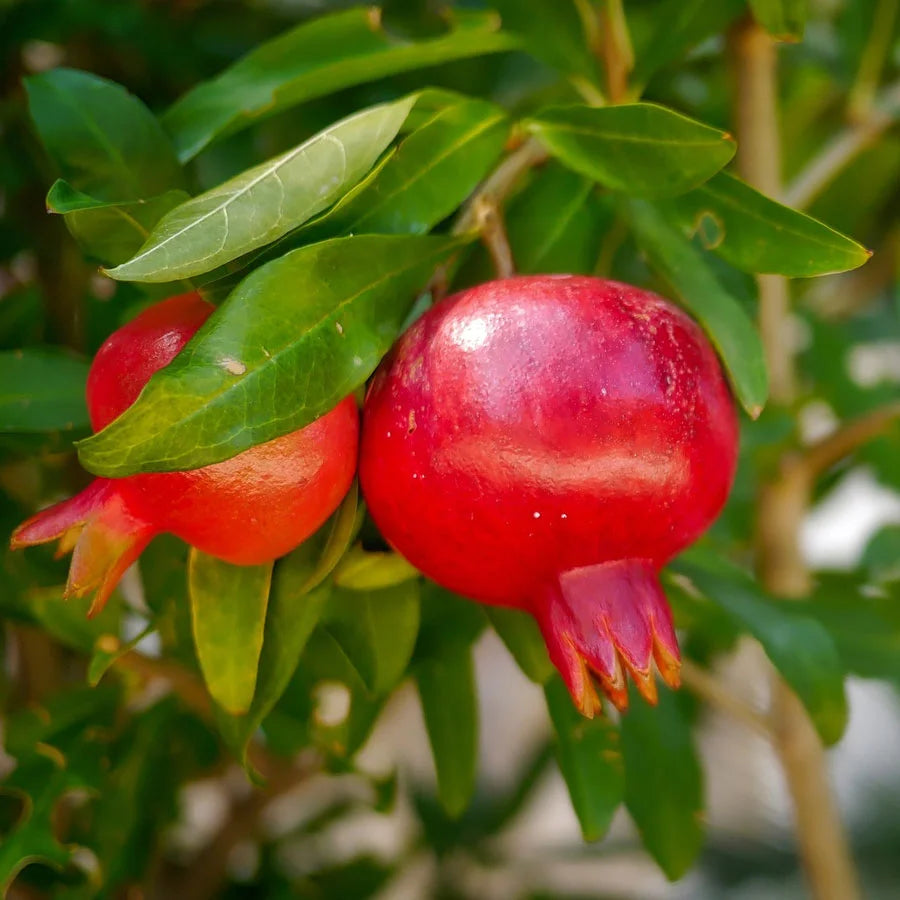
{"points": [[247, 510], [548, 443]]}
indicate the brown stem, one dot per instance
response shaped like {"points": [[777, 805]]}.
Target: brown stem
{"points": [[709, 688], [618, 57], [493, 236], [843, 148], [782, 503], [821, 456]]}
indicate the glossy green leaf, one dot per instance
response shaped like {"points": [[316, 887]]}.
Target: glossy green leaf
{"points": [[798, 646], [103, 140], [552, 31], [757, 234], [314, 59], [228, 610], [640, 148], [590, 760], [680, 25], [303, 332], [446, 685], [523, 639], [782, 18], [376, 630], [42, 390], [433, 170], [265, 202], [728, 326], [360, 570], [109, 232], [663, 781], [108, 650]]}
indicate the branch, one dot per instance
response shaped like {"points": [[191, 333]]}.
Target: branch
{"points": [[493, 234], [618, 56], [821, 456], [710, 689], [842, 149]]}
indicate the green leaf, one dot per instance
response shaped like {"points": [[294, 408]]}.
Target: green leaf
{"points": [[798, 646], [360, 571], [446, 686], [522, 637], [552, 31], [882, 554], [555, 224], [376, 630], [783, 18], [728, 326], [757, 234], [679, 26], [42, 390], [433, 170], [228, 609], [103, 140], [109, 232], [306, 330], [640, 148], [107, 651], [314, 59], [663, 782], [590, 760], [265, 202]]}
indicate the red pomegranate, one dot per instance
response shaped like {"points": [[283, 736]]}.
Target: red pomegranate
{"points": [[247, 510], [548, 443]]}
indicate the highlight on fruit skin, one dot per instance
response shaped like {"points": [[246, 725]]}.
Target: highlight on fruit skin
{"points": [[246, 510], [548, 443]]}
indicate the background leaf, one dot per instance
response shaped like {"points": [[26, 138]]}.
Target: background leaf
{"points": [[303, 356], [757, 234], [783, 18], [265, 202], [590, 760], [228, 609], [798, 646], [314, 59], [519, 631], [103, 140], [42, 390], [728, 326], [663, 781], [640, 148]]}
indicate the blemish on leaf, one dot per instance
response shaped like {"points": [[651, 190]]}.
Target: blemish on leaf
{"points": [[339, 328], [234, 366], [710, 229]]}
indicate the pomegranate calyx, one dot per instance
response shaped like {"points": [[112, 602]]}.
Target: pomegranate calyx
{"points": [[103, 533], [604, 621]]}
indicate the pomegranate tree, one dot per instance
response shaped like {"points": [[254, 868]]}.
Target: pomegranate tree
{"points": [[247, 510], [548, 443]]}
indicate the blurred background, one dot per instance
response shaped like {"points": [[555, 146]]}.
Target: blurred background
{"points": [[325, 837]]}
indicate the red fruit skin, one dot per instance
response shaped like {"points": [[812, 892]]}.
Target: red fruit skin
{"points": [[535, 426], [247, 510]]}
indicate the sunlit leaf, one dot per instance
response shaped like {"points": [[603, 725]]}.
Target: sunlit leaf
{"points": [[360, 570], [265, 202]]}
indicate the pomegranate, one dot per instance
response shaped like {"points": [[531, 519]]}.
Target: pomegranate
{"points": [[548, 443], [247, 510]]}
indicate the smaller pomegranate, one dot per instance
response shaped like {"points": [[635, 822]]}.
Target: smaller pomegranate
{"points": [[549, 443], [247, 510]]}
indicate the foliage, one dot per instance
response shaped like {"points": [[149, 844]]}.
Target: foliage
{"points": [[312, 169]]}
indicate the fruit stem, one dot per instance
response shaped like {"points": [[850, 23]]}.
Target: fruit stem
{"points": [[782, 503], [493, 235]]}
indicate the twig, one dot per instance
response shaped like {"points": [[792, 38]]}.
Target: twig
{"points": [[500, 182], [843, 148], [618, 57], [782, 503], [711, 690], [874, 56], [493, 235], [821, 456]]}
